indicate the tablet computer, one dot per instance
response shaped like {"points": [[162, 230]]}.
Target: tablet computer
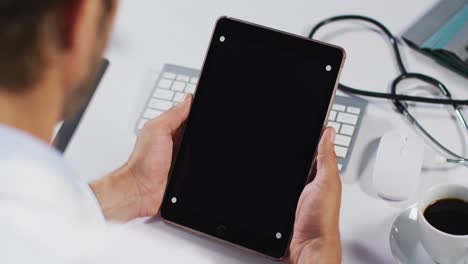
{"points": [[252, 135]]}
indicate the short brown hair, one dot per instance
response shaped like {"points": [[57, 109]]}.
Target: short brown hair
{"points": [[21, 25]]}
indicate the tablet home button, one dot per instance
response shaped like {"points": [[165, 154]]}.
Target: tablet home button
{"points": [[221, 230]]}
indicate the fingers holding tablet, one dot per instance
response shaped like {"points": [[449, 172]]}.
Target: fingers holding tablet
{"points": [[316, 231]]}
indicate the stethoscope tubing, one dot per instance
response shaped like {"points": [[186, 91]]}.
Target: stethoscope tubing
{"points": [[400, 100]]}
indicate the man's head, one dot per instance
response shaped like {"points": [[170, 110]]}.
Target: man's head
{"points": [[60, 39]]}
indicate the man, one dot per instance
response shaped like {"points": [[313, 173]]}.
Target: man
{"points": [[49, 50]]}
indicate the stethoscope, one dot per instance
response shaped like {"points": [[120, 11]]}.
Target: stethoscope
{"points": [[400, 100]]}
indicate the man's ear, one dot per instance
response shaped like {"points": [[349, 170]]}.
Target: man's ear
{"points": [[68, 18]]}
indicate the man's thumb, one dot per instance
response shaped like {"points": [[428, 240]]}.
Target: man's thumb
{"points": [[326, 158], [178, 114]]}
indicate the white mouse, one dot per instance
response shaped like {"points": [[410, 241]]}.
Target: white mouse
{"points": [[398, 166]]}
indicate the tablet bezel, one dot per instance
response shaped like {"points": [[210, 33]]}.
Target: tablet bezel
{"points": [[270, 247]]}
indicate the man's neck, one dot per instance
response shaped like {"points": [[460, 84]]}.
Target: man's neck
{"points": [[35, 111]]}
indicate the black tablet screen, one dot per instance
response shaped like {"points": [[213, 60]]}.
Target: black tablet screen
{"points": [[253, 130]]}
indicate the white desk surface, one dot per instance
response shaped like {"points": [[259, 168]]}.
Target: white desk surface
{"points": [[151, 33]]}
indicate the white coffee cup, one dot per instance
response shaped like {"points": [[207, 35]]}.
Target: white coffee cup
{"points": [[444, 248]]}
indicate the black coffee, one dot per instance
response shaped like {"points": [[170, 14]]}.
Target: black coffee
{"points": [[449, 216]]}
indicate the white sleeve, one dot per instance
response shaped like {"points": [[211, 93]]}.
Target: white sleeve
{"points": [[29, 236]]}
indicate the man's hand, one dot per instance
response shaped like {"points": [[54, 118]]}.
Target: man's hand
{"points": [[316, 236], [137, 189]]}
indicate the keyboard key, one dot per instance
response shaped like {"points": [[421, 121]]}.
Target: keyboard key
{"points": [[347, 118], [151, 113], [178, 86], [165, 84], [340, 166], [339, 107], [160, 104], [179, 97], [341, 151], [342, 140], [190, 88], [163, 94], [347, 130], [335, 125], [142, 123], [169, 75], [332, 116], [183, 78], [194, 80], [353, 110]]}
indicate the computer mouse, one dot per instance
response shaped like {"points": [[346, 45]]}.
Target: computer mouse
{"points": [[398, 165]]}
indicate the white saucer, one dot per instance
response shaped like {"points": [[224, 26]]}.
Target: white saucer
{"points": [[404, 239]]}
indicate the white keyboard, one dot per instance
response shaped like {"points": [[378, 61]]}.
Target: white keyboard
{"points": [[175, 82]]}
